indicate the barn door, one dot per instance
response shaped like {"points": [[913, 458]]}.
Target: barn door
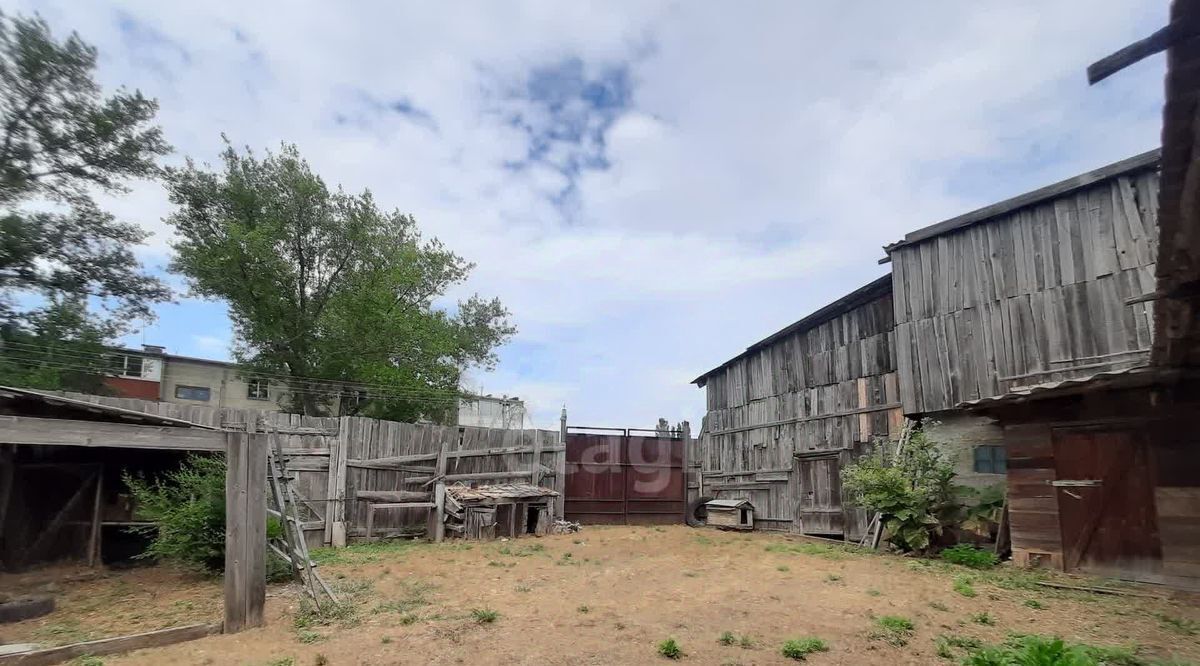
{"points": [[820, 505], [1105, 500]]}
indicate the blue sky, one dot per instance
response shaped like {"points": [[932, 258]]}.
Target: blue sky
{"points": [[649, 186]]}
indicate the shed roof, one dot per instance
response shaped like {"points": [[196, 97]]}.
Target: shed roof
{"points": [[729, 503], [1139, 162], [503, 491], [1111, 379], [865, 294], [25, 400]]}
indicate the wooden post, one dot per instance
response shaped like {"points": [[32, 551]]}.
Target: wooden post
{"points": [[335, 507], [437, 530], [560, 467], [97, 505], [7, 468], [245, 530], [687, 465]]}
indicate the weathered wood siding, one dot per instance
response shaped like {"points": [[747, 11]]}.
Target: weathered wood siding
{"points": [[829, 387], [1031, 295]]}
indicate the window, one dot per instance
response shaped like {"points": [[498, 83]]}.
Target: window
{"points": [[258, 389], [201, 393], [990, 460], [126, 366]]}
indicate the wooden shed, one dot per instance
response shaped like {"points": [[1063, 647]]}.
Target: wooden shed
{"points": [[731, 514], [510, 510]]}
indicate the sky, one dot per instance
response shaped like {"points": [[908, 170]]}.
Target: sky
{"points": [[649, 187]]}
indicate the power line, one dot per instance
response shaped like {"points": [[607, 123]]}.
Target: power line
{"points": [[103, 357], [412, 394]]}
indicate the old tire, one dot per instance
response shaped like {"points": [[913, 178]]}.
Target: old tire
{"points": [[15, 610], [697, 512]]}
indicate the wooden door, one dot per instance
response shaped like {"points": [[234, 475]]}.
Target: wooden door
{"points": [[820, 484], [1105, 500]]}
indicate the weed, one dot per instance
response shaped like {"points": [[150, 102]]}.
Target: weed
{"points": [[364, 553], [1050, 651], [872, 592], [583, 609], [894, 630], [727, 638], [832, 578], [502, 565], [1034, 604], [937, 605], [409, 618], [620, 626], [309, 637], [413, 595], [970, 556], [703, 541], [983, 618], [526, 550], [484, 615], [963, 586], [783, 567], [945, 644], [62, 633], [345, 612], [282, 661], [670, 649], [321, 660], [690, 574], [800, 648], [745, 642], [523, 588], [822, 550], [386, 640], [1179, 625], [87, 660]]}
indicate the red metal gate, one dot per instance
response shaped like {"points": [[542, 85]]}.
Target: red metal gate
{"points": [[624, 478]]}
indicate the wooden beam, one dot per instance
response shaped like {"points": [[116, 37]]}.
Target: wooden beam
{"points": [[34, 431], [106, 646], [97, 505], [815, 417], [474, 476], [245, 530], [1139, 50]]}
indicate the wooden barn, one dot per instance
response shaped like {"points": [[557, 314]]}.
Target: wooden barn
{"points": [[788, 413], [1039, 312]]}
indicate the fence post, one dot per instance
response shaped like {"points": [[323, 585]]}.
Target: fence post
{"points": [[335, 505], [560, 467], [245, 530]]}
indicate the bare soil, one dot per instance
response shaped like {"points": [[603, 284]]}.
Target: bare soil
{"points": [[609, 596]]}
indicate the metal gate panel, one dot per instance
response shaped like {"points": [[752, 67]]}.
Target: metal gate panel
{"points": [[624, 479]]}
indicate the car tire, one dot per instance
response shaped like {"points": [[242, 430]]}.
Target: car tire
{"points": [[15, 610], [697, 512]]}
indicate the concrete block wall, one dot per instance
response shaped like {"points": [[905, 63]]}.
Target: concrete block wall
{"points": [[959, 434]]}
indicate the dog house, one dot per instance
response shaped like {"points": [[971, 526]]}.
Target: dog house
{"points": [[731, 514]]}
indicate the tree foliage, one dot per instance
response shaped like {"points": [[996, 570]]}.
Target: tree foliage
{"points": [[61, 140], [323, 284], [914, 492]]}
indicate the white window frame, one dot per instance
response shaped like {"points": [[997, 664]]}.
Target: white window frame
{"points": [[258, 388]]}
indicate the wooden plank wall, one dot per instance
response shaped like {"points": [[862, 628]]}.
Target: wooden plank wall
{"points": [[1032, 501], [830, 387], [308, 440], [1034, 295]]}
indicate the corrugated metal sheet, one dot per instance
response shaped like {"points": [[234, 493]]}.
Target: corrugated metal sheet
{"points": [[1127, 377], [18, 394], [729, 503]]}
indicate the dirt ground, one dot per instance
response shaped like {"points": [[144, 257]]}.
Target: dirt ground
{"points": [[611, 595]]}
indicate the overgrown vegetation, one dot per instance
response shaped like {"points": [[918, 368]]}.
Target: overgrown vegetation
{"points": [[916, 495], [346, 612], [970, 556], [964, 586], [892, 629], [484, 615], [1049, 651], [670, 649], [800, 648], [187, 507]]}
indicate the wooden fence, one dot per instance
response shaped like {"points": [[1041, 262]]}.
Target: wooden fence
{"points": [[332, 458]]}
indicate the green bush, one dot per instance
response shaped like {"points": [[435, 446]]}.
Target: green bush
{"points": [[1050, 651], [187, 507], [970, 556], [800, 648]]}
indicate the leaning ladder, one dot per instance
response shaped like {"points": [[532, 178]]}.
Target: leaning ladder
{"points": [[292, 546], [875, 527]]}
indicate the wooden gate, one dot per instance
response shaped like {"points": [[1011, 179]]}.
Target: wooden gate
{"points": [[1105, 499], [624, 479]]}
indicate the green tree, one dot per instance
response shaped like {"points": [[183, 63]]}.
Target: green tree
{"points": [[324, 284], [60, 141]]}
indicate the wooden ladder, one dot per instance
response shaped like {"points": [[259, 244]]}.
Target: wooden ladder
{"points": [[292, 546], [875, 527]]}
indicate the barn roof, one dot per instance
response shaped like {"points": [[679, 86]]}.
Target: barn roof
{"points": [[29, 402], [865, 294], [1140, 162]]}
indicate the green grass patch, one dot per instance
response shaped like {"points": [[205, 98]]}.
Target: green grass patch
{"points": [[484, 615], [826, 551], [727, 638], [970, 556], [945, 646], [983, 618], [965, 586], [527, 550], [1034, 604], [894, 630], [413, 595], [937, 605], [800, 648], [365, 553], [1053, 651], [1179, 625], [783, 567], [345, 612], [670, 649], [584, 609]]}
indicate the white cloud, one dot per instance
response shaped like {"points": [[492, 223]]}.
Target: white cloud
{"points": [[765, 153]]}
